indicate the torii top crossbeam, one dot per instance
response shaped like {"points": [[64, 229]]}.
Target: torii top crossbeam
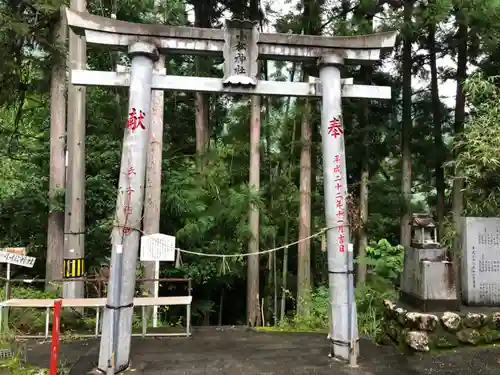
{"points": [[192, 40], [241, 45]]}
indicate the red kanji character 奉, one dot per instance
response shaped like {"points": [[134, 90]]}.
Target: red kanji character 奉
{"points": [[127, 210], [341, 248], [127, 231], [335, 128], [130, 190], [131, 171]]}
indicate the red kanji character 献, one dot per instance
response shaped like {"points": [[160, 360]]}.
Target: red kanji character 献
{"points": [[335, 128], [134, 121], [131, 171]]}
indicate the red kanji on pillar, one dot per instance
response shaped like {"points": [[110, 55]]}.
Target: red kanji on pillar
{"points": [[135, 120], [130, 190], [335, 128]]}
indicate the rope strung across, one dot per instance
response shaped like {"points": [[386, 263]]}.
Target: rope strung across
{"points": [[224, 257]]}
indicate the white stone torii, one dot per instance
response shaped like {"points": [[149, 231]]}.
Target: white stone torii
{"points": [[241, 45]]}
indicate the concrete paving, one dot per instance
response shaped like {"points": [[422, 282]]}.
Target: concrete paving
{"points": [[240, 352]]}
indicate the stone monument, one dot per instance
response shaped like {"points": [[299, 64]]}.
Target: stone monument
{"points": [[428, 281], [481, 261]]}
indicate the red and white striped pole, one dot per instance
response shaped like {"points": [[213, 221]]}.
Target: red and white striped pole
{"points": [[56, 332]]}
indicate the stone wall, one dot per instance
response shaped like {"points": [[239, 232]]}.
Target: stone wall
{"points": [[424, 332]]}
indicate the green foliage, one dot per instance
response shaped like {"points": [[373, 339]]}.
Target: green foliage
{"points": [[385, 261], [369, 298], [386, 264], [316, 316], [478, 158]]}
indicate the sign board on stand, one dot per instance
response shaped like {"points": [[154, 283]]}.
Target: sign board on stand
{"points": [[16, 257], [14, 250], [157, 248]]}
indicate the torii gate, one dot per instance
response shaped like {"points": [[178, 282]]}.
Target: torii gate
{"points": [[241, 45]]}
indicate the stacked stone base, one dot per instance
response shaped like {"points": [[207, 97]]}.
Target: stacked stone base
{"points": [[424, 332]]}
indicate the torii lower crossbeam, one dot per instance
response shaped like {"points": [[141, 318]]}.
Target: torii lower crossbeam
{"points": [[215, 85]]}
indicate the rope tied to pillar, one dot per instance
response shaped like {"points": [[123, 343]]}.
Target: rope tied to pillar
{"points": [[225, 257]]}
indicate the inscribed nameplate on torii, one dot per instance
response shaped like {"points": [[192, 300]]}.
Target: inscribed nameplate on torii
{"points": [[240, 53]]}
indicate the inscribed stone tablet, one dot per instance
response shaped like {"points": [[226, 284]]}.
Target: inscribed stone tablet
{"points": [[481, 261]]}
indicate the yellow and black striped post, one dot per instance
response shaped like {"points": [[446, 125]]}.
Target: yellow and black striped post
{"points": [[73, 268]]}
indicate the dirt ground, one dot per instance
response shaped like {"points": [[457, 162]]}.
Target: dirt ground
{"points": [[239, 352]]}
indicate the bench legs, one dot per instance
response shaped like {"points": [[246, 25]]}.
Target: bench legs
{"points": [[1, 319], [144, 321], [47, 318], [97, 318], [188, 320]]}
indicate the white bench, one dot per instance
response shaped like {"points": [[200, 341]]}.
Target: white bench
{"points": [[100, 303]]}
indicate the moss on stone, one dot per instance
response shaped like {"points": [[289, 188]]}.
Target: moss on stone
{"points": [[442, 339], [489, 335], [448, 330]]}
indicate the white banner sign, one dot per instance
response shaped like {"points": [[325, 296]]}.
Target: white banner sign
{"points": [[157, 248], [17, 259]]}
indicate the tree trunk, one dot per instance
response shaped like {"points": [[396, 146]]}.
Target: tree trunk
{"points": [[253, 299], [362, 235], [458, 182], [407, 130], [362, 242], [438, 137], [57, 182], [304, 247], [201, 99], [151, 221]]}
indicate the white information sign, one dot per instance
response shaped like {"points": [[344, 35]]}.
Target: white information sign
{"points": [[481, 260], [157, 248], [17, 259]]}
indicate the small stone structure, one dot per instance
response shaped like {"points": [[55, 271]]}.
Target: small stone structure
{"points": [[424, 332], [428, 280]]}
